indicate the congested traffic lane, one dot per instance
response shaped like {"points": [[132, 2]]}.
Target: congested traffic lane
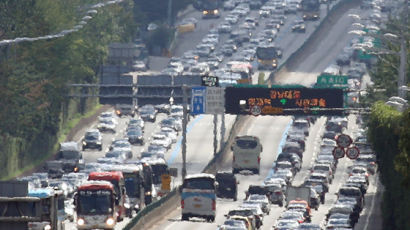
{"points": [[200, 147], [269, 130], [330, 42], [91, 155]]}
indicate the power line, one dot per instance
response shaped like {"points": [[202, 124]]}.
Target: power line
{"points": [[76, 28]]}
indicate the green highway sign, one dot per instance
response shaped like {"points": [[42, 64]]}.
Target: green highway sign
{"points": [[331, 80]]}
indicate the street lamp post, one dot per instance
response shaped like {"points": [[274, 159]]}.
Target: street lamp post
{"points": [[402, 69]]}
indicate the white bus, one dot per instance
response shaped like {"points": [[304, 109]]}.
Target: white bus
{"points": [[246, 154], [198, 197]]}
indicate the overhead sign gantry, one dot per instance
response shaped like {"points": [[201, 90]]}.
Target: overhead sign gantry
{"points": [[283, 101]]}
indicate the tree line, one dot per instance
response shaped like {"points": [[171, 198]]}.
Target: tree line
{"points": [[34, 75]]}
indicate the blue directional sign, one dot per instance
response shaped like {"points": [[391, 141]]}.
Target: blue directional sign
{"points": [[198, 100]]}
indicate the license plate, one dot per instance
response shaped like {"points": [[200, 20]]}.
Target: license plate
{"points": [[197, 205]]}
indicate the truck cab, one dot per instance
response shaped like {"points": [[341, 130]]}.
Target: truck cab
{"points": [[71, 157], [125, 110]]}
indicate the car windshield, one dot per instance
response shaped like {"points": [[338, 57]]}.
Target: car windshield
{"points": [[321, 168], [246, 144], [257, 190], [134, 133], [91, 136], [155, 148], [70, 154], [244, 212], [167, 122], [349, 192], [94, 202], [137, 122], [108, 122], [225, 179], [121, 145], [113, 154], [176, 110]]}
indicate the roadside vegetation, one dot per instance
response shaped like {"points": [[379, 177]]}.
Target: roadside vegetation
{"points": [[34, 107], [389, 134]]}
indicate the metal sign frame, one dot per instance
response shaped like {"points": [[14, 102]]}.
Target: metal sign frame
{"points": [[284, 101]]}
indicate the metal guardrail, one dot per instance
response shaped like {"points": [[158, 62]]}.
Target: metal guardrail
{"points": [[149, 208]]}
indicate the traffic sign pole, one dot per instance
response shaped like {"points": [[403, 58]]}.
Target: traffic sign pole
{"points": [[184, 125]]}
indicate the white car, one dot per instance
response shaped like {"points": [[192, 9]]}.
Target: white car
{"points": [[161, 140], [260, 199], [107, 124], [171, 133], [177, 111]]}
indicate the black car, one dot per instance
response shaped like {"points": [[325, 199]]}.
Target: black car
{"points": [[299, 26], [228, 185], [257, 189], [135, 136], [148, 113], [92, 140]]}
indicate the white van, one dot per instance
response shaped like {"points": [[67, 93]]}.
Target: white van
{"points": [[246, 154]]}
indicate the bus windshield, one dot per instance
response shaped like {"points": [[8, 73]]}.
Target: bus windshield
{"points": [[246, 144], [310, 5], [199, 183], [266, 53], [157, 171], [132, 185], [94, 202], [210, 4]]}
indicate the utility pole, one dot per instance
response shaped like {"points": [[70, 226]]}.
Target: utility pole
{"points": [[184, 131], [327, 6], [215, 133], [403, 53], [222, 130], [169, 12]]}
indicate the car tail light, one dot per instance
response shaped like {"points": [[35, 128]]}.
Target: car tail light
{"points": [[300, 221], [372, 163], [259, 160], [278, 193], [182, 203], [213, 205]]}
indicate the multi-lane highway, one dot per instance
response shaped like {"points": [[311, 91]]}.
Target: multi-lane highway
{"points": [[272, 131]]}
